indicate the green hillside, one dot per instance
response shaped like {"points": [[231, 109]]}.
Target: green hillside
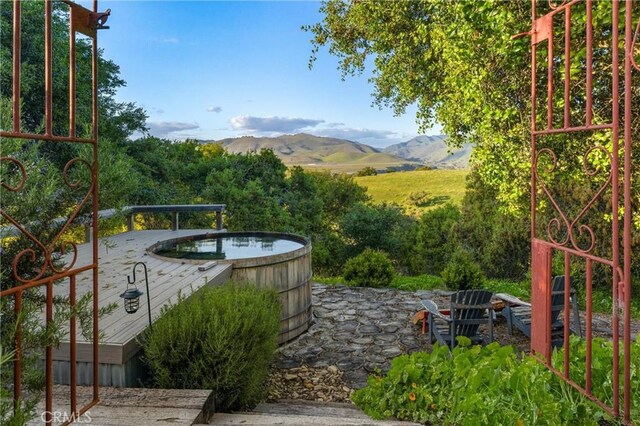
{"points": [[417, 191], [315, 152], [343, 157]]}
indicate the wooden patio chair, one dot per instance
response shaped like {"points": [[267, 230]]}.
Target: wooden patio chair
{"points": [[519, 315], [468, 310]]}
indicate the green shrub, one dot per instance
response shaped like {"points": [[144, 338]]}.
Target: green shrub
{"points": [[367, 171], [329, 254], [379, 227], [601, 369], [371, 268], [473, 386], [221, 338], [434, 240], [462, 273], [499, 239]]}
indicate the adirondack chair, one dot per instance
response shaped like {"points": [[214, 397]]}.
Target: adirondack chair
{"points": [[468, 309], [519, 315]]}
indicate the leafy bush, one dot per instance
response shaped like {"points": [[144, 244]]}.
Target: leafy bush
{"points": [[462, 272], [221, 338], [338, 192], [434, 240], [601, 371], [25, 409], [371, 268], [367, 171], [381, 227], [302, 203], [499, 240], [473, 386], [329, 254]]}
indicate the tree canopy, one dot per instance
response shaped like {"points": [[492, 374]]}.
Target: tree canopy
{"points": [[118, 120], [459, 63], [455, 60]]}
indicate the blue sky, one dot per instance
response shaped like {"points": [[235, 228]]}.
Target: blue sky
{"points": [[213, 69]]}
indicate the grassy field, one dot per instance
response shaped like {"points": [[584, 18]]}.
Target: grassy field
{"points": [[351, 163], [416, 191]]}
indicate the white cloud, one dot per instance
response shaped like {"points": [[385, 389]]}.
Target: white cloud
{"points": [[333, 125], [164, 40], [167, 129], [374, 137], [273, 124], [215, 109], [355, 133]]}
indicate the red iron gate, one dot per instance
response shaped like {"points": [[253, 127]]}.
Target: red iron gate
{"points": [[583, 117], [48, 272]]}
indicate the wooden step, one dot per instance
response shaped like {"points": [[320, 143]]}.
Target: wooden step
{"points": [[133, 406], [303, 413]]}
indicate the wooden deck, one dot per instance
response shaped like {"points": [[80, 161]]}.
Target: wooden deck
{"points": [[117, 255]]}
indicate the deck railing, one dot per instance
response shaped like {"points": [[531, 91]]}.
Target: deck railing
{"points": [[174, 209], [131, 211]]}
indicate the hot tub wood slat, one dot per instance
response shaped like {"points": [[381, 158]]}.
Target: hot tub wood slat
{"points": [[291, 278]]}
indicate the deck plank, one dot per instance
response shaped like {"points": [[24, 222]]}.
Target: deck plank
{"points": [[166, 279]]}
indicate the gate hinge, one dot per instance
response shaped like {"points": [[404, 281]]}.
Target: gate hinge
{"points": [[542, 30], [99, 19], [87, 22]]}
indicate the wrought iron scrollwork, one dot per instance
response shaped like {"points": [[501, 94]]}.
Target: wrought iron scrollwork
{"points": [[553, 5], [562, 223], [49, 253], [23, 174]]}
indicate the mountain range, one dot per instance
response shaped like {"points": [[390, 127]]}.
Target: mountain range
{"points": [[433, 152], [345, 155]]}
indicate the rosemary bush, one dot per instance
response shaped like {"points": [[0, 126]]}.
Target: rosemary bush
{"points": [[221, 338]]}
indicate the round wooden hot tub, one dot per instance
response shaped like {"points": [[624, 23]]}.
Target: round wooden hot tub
{"points": [[270, 260]]}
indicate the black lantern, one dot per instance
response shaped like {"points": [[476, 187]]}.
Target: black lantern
{"points": [[131, 299], [132, 295]]}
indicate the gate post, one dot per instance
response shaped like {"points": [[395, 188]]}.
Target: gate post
{"points": [[541, 300]]}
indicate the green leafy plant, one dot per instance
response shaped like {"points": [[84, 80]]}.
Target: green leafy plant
{"points": [[473, 385], [462, 272], [221, 338], [371, 268], [601, 370], [24, 410]]}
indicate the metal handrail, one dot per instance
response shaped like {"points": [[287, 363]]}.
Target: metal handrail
{"points": [[130, 211]]}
